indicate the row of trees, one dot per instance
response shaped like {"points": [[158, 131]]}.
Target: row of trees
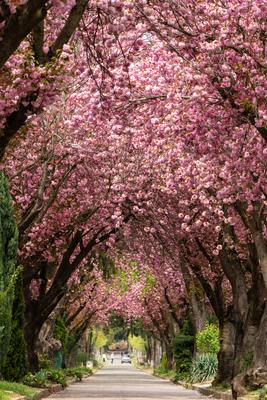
{"points": [[140, 129]]}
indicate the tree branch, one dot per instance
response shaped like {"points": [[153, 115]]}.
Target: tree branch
{"points": [[19, 25], [22, 17], [38, 43], [69, 27]]}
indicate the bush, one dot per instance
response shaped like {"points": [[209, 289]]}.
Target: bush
{"points": [[181, 376], [204, 368], [44, 377], [183, 347], [56, 376], [164, 362], [82, 357], [78, 373], [208, 340], [36, 380]]}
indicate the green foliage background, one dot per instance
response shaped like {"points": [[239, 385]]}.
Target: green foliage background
{"points": [[208, 340]]}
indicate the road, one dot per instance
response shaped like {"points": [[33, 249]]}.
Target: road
{"points": [[124, 382]]}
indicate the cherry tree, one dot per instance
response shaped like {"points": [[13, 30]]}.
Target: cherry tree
{"points": [[41, 47], [157, 148]]}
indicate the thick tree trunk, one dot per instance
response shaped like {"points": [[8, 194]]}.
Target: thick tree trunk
{"points": [[170, 356], [149, 351], [31, 336], [255, 375], [157, 352], [31, 329], [236, 352], [261, 247], [196, 296], [226, 353], [258, 372], [199, 311]]}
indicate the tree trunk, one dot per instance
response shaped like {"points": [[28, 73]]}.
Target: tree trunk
{"points": [[226, 353], [149, 351], [255, 375], [258, 373], [157, 353], [31, 332], [169, 354], [199, 311], [261, 247], [196, 296]]}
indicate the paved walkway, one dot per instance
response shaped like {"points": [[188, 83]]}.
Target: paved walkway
{"points": [[124, 382]]}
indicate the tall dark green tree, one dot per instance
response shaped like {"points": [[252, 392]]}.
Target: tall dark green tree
{"points": [[8, 254], [15, 366]]}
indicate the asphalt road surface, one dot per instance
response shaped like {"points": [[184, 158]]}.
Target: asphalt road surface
{"points": [[124, 382]]}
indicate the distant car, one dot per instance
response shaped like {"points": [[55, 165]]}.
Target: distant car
{"points": [[126, 359]]}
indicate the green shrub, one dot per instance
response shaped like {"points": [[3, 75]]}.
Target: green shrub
{"points": [[164, 362], [184, 361], [183, 347], [75, 373], [79, 372], [181, 376], [45, 377], [82, 357], [36, 380], [160, 371], [55, 376], [208, 340], [61, 332], [204, 368], [85, 370], [67, 340]]}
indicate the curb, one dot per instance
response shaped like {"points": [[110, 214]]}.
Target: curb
{"points": [[214, 393], [45, 392], [207, 391]]}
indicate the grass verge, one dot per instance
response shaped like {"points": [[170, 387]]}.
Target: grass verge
{"points": [[18, 388], [162, 373], [4, 395]]}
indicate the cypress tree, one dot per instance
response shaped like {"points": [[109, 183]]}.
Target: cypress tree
{"points": [[8, 253], [15, 366]]}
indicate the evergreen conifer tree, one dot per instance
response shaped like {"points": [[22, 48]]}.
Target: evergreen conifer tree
{"points": [[8, 253], [15, 366]]}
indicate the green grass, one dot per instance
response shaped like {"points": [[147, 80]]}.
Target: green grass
{"points": [[164, 373], [16, 388], [4, 395]]}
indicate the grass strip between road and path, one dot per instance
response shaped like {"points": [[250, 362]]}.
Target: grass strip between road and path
{"points": [[18, 388]]}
